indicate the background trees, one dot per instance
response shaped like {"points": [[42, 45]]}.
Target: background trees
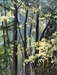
{"points": [[23, 26]]}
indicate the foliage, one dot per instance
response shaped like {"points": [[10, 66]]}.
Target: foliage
{"points": [[45, 59], [40, 53]]}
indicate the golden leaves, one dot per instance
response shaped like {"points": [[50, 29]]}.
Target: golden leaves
{"points": [[7, 17], [22, 11], [48, 15], [3, 18]]}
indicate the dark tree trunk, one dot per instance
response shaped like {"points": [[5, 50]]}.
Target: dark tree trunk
{"points": [[5, 48], [37, 39], [25, 45], [37, 27], [15, 41], [3, 36], [25, 42], [4, 39], [44, 31]]}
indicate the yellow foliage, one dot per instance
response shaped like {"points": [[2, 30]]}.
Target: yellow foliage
{"points": [[34, 9], [40, 43], [26, 60], [31, 57], [4, 18], [52, 41]]}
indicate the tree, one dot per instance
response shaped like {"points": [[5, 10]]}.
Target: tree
{"points": [[28, 42], [15, 63]]}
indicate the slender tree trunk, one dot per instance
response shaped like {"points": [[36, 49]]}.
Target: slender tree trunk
{"points": [[5, 48], [7, 41], [15, 41], [37, 39], [30, 39], [44, 31], [25, 42], [37, 27], [4, 39], [25, 45]]}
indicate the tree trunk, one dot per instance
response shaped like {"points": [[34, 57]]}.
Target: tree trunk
{"points": [[37, 27], [5, 50], [44, 31], [37, 38], [25, 45], [25, 42], [15, 41]]}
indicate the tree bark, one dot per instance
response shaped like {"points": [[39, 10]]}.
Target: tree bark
{"points": [[25, 42], [25, 45], [37, 39], [44, 30], [37, 27], [15, 72]]}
